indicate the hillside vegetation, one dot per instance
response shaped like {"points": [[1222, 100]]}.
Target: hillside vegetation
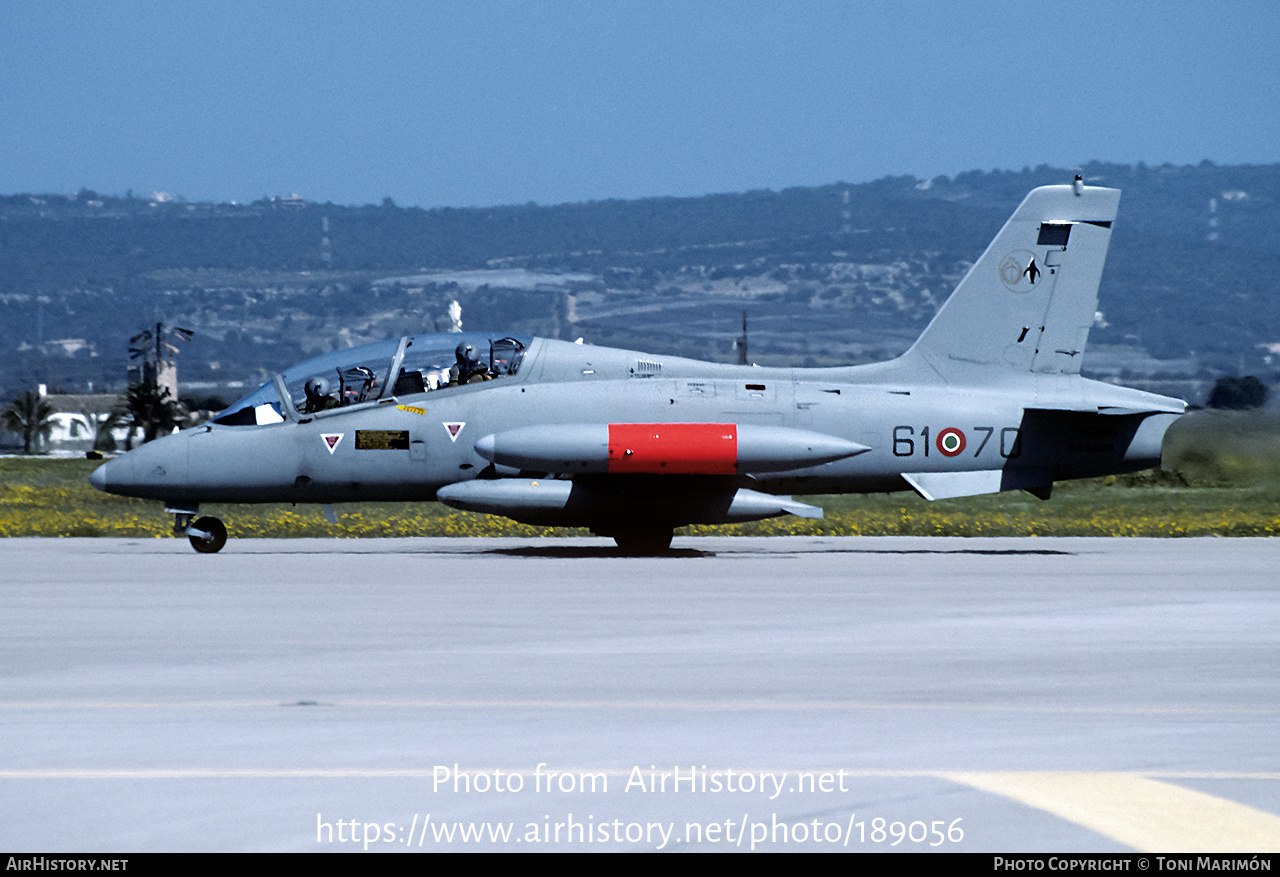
{"points": [[834, 274]]}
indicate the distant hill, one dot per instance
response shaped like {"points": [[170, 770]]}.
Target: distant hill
{"points": [[830, 274]]}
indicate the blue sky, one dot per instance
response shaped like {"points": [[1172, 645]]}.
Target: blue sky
{"points": [[482, 103]]}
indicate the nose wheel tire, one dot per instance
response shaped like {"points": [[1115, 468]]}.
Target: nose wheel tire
{"points": [[211, 535]]}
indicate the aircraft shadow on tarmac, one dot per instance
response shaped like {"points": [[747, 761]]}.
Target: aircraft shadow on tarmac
{"points": [[575, 551], [997, 551], [604, 550], [572, 551]]}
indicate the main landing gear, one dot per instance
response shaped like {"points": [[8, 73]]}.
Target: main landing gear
{"points": [[207, 535], [641, 542]]}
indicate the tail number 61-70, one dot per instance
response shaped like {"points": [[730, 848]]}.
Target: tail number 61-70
{"points": [[951, 441]]}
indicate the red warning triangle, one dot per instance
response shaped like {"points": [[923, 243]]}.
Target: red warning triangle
{"points": [[454, 428]]}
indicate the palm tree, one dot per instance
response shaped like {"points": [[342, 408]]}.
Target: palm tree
{"points": [[101, 424], [151, 409], [30, 414]]}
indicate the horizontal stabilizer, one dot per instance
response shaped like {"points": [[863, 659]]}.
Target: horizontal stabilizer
{"points": [[1108, 409], [1165, 406], [949, 485]]}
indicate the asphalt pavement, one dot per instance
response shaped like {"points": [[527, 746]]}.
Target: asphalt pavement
{"points": [[886, 694]]}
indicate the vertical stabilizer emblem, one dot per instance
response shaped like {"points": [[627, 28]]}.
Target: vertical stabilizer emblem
{"points": [[1019, 271]]}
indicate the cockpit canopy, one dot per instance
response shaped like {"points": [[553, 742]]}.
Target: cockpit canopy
{"points": [[406, 366]]}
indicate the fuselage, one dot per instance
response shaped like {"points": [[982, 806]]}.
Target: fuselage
{"points": [[407, 447]]}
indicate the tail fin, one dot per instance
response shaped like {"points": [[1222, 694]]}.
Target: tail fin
{"points": [[1028, 303]]}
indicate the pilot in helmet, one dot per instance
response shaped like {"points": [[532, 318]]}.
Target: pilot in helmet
{"points": [[468, 369], [318, 398]]}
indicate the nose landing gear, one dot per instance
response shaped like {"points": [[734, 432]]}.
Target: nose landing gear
{"points": [[207, 535]]}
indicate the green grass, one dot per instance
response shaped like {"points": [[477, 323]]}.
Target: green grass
{"points": [[1222, 477], [52, 497]]}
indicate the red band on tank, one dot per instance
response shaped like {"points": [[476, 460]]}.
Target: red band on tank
{"points": [[674, 448]]}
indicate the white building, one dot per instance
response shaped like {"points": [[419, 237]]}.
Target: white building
{"points": [[72, 429]]}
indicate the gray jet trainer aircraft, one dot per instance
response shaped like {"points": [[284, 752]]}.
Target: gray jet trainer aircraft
{"points": [[633, 445]]}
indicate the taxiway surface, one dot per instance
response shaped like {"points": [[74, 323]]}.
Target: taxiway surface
{"points": [[975, 695]]}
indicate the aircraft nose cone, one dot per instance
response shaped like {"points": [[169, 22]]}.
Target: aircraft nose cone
{"points": [[156, 470]]}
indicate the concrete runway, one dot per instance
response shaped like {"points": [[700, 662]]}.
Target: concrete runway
{"points": [[889, 694]]}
